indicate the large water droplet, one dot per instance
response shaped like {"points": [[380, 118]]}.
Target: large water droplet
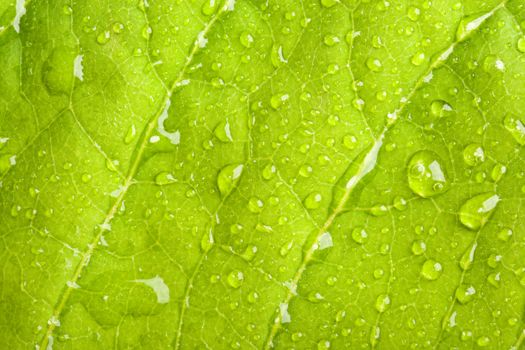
{"points": [[228, 178], [467, 259], [223, 131], [426, 174], [475, 212]]}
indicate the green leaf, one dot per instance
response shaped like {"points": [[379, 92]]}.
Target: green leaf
{"points": [[262, 174]]}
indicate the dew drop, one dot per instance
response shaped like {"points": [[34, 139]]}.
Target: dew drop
{"points": [[382, 303], [103, 37], [359, 235], [86, 178], [209, 7], [431, 270], [521, 45], [255, 205], [516, 128], [419, 247], [467, 259], [440, 108], [476, 211], [505, 234], [228, 178], [328, 3], [473, 154], [313, 200], [465, 293], [494, 279], [374, 64], [418, 59], [400, 203], [164, 178], [497, 172], [426, 175], [223, 131], [246, 39], [235, 279], [269, 171], [413, 13], [130, 135]]}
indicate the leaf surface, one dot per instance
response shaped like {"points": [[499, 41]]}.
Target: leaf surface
{"points": [[262, 174]]}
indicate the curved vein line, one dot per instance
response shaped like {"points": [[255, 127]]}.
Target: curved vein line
{"points": [[128, 182], [364, 167]]}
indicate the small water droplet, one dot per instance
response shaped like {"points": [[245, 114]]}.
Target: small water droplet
{"points": [[413, 13], [400, 203], [418, 59], [494, 279], [228, 178], [440, 108], [382, 303], [255, 205], [103, 37], [235, 279], [465, 293], [516, 128], [473, 154], [86, 178], [498, 171], [426, 174], [329, 3], [467, 259], [359, 235], [223, 131], [431, 270], [418, 247], [164, 178], [521, 45], [209, 7], [374, 64], [313, 200], [246, 39], [476, 211], [483, 341]]}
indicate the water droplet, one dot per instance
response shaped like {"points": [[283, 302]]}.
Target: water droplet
{"points": [[278, 100], [469, 24], [269, 171], [516, 128], [400, 203], [277, 56], [130, 135], [467, 259], [379, 273], [324, 344], [331, 40], [431, 270], [476, 211], [359, 235], [350, 141], [493, 64], [103, 37], [315, 297], [419, 247], [521, 44], [246, 39], [505, 234], [473, 154], [374, 64], [255, 205], [228, 178], [209, 7], [382, 303], [235, 279], [494, 279], [223, 131], [313, 200], [483, 341], [465, 293], [207, 241], [493, 260], [329, 3], [498, 171], [418, 59], [440, 108], [118, 27], [249, 253], [413, 13], [306, 170], [164, 178], [426, 175], [86, 178]]}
